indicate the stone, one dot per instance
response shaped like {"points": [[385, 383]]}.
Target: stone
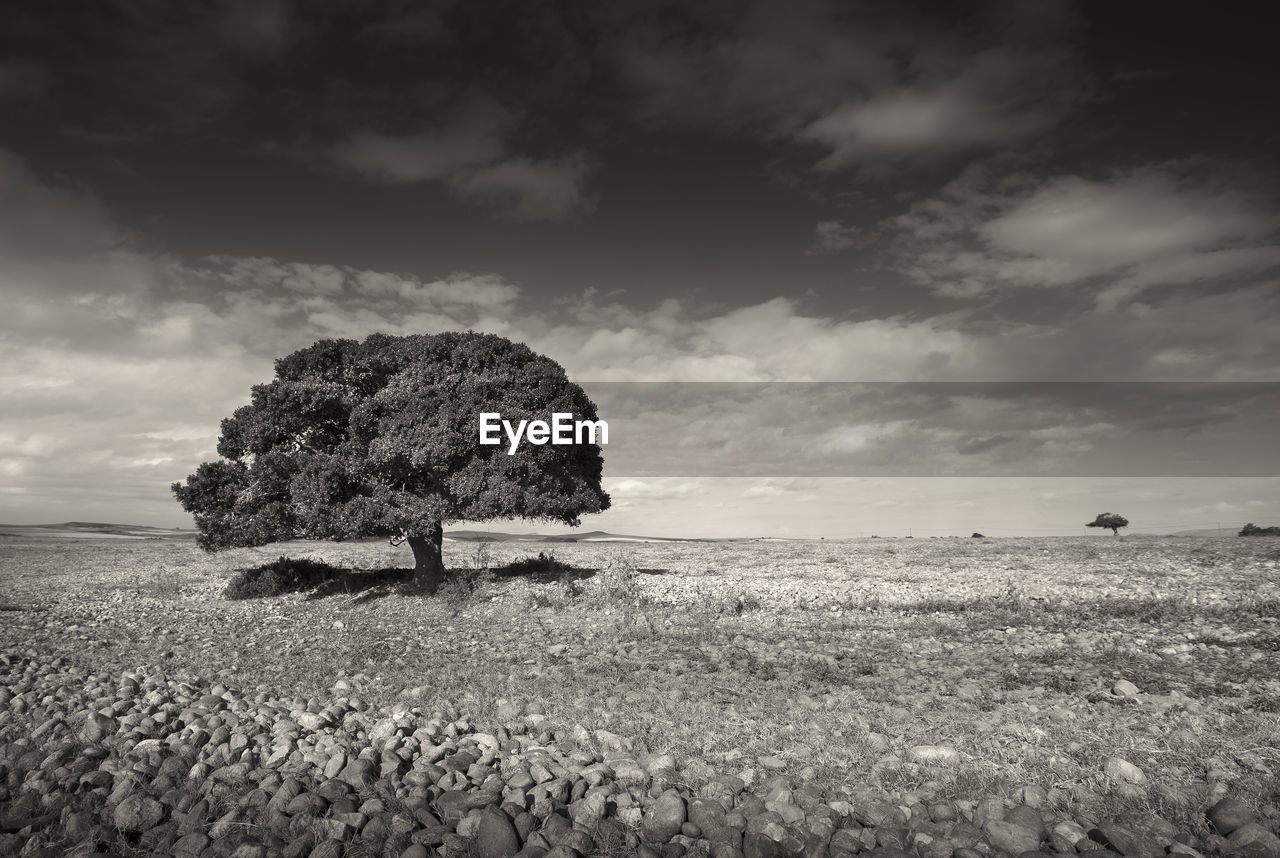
{"points": [[845, 840], [1123, 771], [940, 755], [893, 835], [1067, 834], [496, 836], [138, 813], [1032, 796], [988, 810], [890, 852], [579, 841], [97, 727], [1228, 815], [965, 835], [1028, 818], [190, 845], [1125, 688], [1125, 840], [1011, 837], [452, 805], [878, 813], [709, 816], [1252, 834], [359, 773], [662, 821], [758, 845], [311, 721], [327, 849]]}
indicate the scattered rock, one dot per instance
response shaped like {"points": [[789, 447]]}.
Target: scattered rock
{"points": [[496, 837], [1123, 771], [138, 813], [1125, 688], [1126, 841], [943, 755], [663, 820], [1011, 837], [1251, 834], [1228, 815]]}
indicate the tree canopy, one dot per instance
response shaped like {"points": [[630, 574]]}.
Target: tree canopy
{"points": [[1109, 520], [379, 438]]}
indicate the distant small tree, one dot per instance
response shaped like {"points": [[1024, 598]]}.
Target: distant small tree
{"points": [[1111, 520], [380, 438]]}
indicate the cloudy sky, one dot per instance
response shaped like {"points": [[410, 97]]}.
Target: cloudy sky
{"points": [[774, 193]]}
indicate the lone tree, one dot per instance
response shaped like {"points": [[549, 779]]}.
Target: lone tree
{"points": [[1111, 520], [380, 438]]}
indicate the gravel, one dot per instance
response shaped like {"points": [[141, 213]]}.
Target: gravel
{"points": [[147, 762]]}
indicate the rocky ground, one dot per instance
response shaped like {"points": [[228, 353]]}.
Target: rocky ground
{"points": [[932, 698]]}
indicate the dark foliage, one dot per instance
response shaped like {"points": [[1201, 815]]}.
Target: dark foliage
{"points": [[542, 565], [284, 575], [1252, 529], [1109, 520], [301, 575], [380, 438]]}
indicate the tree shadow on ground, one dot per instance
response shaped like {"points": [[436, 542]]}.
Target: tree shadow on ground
{"points": [[366, 585], [320, 580], [545, 568], [315, 578]]}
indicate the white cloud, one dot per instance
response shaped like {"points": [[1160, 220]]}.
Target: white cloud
{"points": [[660, 488], [989, 103], [794, 489], [1116, 237]]}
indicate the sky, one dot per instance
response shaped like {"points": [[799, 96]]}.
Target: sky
{"points": [[1002, 197]]}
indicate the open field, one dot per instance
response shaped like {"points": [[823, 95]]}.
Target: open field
{"points": [[933, 672]]}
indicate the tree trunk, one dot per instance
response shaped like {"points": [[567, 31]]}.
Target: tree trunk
{"points": [[428, 558], [1115, 531]]}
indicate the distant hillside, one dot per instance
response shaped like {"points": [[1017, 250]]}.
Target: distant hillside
{"points": [[95, 530], [1208, 531]]}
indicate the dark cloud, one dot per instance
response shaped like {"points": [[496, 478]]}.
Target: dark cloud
{"points": [[865, 84], [931, 429]]}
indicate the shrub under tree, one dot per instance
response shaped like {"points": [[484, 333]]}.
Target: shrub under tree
{"points": [[1109, 520], [380, 438]]}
